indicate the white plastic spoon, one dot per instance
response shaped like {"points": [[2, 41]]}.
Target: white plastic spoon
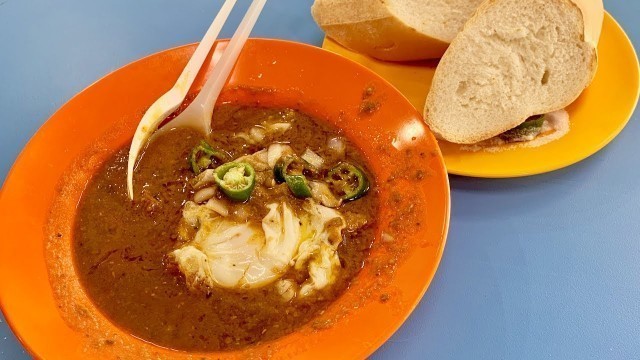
{"points": [[172, 99], [198, 113]]}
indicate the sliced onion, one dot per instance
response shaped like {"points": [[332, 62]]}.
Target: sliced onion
{"points": [[286, 288], [217, 206], [312, 158], [279, 127], [257, 134], [276, 151], [262, 156], [337, 144], [244, 137], [258, 160], [203, 179], [204, 194]]}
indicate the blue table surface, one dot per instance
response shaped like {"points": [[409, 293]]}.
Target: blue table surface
{"points": [[546, 267]]}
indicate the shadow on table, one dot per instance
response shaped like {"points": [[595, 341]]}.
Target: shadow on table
{"points": [[501, 197]]}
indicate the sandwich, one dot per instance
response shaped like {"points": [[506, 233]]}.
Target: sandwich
{"points": [[512, 69]]}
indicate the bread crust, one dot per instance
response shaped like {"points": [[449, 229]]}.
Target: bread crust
{"points": [[378, 34]]}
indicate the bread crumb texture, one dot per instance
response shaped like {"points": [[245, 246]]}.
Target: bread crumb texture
{"points": [[513, 60]]}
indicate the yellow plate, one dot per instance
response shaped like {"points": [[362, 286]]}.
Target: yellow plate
{"points": [[598, 115]]}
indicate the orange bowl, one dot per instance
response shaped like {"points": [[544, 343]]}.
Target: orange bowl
{"points": [[51, 314]]}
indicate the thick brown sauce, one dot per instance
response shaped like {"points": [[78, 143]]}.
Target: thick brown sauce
{"points": [[120, 246]]}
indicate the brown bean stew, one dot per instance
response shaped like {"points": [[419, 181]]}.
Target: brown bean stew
{"points": [[230, 241]]}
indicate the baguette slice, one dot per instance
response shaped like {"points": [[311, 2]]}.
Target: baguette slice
{"points": [[395, 30], [513, 59]]}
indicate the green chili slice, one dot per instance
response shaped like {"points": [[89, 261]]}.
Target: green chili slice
{"points": [[280, 168], [525, 131], [532, 122], [291, 169], [298, 185], [347, 181], [203, 155], [236, 180]]}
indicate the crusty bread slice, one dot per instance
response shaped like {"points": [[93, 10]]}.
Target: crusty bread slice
{"points": [[394, 30], [513, 59]]}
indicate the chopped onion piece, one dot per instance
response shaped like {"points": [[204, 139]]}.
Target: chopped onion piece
{"points": [[244, 137], [269, 182], [321, 193], [217, 206], [257, 134], [203, 179], [286, 288], [276, 151], [280, 127], [312, 158], [204, 194], [337, 144], [258, 160], [262, 156]]}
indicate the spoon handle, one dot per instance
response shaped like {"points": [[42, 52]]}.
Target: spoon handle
{"points": [[214, 84], [192, 68]]}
